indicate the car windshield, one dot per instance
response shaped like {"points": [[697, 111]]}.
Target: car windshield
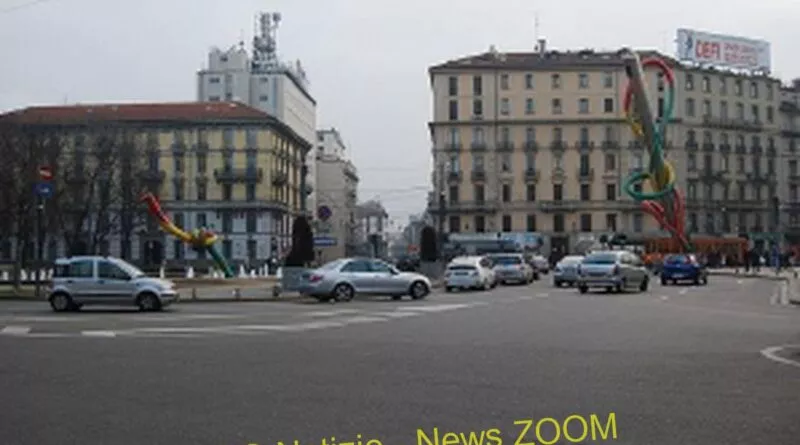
{"points": [[129, 268], [461, 267], [600, 258], [506, 260], [676, 259]]}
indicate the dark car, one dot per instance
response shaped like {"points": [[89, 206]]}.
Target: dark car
{"points": [[683, 267]]}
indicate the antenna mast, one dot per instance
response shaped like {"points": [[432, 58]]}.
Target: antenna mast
{"points": [[265, 46]]}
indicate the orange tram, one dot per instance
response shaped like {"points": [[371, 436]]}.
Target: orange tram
{"points": [[730, 248]]}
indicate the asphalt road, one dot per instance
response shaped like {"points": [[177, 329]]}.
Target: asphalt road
{"points": [[676, 365]]}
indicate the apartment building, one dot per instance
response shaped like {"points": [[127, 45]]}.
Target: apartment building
{"points": [[538, 142], [224, 166], [790, 130], [337, 179], [260, 79], [371, 232]]}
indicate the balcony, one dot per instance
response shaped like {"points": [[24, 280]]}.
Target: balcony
{"points": [[635, 145], [794, 177], [201, 148], [476, 206], [531, 146], [505, 146], [708, 147], [453, 177], [741, 149], [584, 145], [585, 174], [724, 123], [724, 148], [478, 146], [692, 145], [152, 176], [478, 175], [453, 147], [557, 206], [772, 151], [756, 149], [279, 178], [558, 145], [231, 175], [531, 175], [760, 177], [610, 145], [709, 175]]}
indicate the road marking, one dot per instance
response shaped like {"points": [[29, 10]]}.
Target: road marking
{"points": [[663, 298], [683, 291], [542, 295], [398, 314], [361, 319], [524, 298], [333, 312], [105, 334], [436, 308], [15, 330], [771, 353], [784, 300], [739, 281]]}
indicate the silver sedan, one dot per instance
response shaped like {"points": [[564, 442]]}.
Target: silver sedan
{"points": [[342, 279]]}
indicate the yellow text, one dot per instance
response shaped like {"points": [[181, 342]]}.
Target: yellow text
{"points": [[574, 429]]}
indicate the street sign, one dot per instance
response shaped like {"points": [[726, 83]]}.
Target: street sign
{"points": [[324, 241], [324, 212], [44, 189], [45, 173]]}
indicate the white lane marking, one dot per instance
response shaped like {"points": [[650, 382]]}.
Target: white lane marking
{"points": [[398, 314], [771, 353], [48, 319], [363, 320], [683, 291], [663, 298], [784, 295], [524, 298], [542, 295], [106, 334], [739, 281], [332, 312], [15, 330]]}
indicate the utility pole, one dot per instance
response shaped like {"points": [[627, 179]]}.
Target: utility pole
{"points": [[44, 190]]}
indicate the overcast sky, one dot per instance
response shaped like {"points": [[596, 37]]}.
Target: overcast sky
{"points": [[366, 59]]}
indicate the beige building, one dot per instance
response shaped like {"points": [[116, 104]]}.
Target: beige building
{"points": [[537, 142], [790, 129], [335, 218]]}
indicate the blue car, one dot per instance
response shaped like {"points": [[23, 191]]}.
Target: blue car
{"points": [[683, 267]]}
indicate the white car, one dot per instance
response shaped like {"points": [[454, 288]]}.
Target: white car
{"points": [[469, 272], [541, 263]]}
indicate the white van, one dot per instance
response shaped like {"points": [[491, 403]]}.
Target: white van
{"points": [[469, 272]]}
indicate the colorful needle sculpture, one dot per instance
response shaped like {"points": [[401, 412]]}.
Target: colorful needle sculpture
{"points": [[665, 202], [198, 239]]}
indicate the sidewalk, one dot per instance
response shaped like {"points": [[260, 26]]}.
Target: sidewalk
{"points": [[790, 276]]}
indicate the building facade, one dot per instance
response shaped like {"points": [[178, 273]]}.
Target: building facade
{"points": [[371, 232], [790, 130], [224, 166], [538, 142], [337, 198], [259, 79]]}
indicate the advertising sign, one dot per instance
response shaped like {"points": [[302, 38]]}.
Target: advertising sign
{"points": [[723, 51]]}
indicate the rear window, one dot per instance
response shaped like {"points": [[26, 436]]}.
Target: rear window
{"points": [[461, 267], [600, 258], [507, 260], [677, 259]]}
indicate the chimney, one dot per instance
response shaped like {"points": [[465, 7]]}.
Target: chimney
{"points": [[542, 46]]}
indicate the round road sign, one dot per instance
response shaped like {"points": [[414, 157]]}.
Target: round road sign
{"points": [[324, 213]]}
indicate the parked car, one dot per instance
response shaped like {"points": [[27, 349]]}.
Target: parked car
{"points": [[470, 272], [615, 270], [512, 268], [82, 280], [683, 267], [343, 279], [540, 264], [566, 271]]}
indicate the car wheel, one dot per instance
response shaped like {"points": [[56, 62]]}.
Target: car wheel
{"points": [[645, 283], [397, 297], [448, 289], [418, 290], [343, 292], [583, 289], [557, 283], [705, 281], [148, 302], [61, 302], [664, 281], [619, 287]]}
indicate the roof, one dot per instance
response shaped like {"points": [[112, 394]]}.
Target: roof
{"points": [[546, 60], [136, 112]]}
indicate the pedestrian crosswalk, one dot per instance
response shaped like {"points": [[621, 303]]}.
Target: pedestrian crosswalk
{"points": [[200, 325]]}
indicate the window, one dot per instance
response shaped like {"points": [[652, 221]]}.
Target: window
{"points": [[178, 249], [723, 109], [689, 82], [586, 192], [506, 192], [586, 222], [753, 90], [251, 222], [227, 192], [454, 224], [529, 106], [611, 222], [584, 136], [529, 81], [477, 162], [477, 107], [583, 80], [558, 192], [611, 192], [480, 224], [530, 193], [737, 87], [556, 105], [504, 81], [610, 162], [558, 223], [478, 193], [263, 98], [507, 226], [357, 266], [530, 223], [200, 220], [452, 85], [555, 81], [583, 105], [740, 111], [754, 111], [505, 162], [452, 194], [608, 80], [706, 84], [202, 189], [227, 222], [178, 189], [477, 85], [110, 271], [453, 112], [690, 107], [723, 86], [81, 269], [770, 115], [638, 222], [706, 108], [608, 105], [530, 161], [505, 106], [583, 163]]}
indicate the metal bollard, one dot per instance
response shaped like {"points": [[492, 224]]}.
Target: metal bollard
{"points": [[194, 293], [237, 294]]}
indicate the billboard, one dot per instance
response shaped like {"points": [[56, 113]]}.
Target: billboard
{"points": [[723, 51]]}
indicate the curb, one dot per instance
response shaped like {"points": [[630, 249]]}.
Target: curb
{"points": [[749, 276]]}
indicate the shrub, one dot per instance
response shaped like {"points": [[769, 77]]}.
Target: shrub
{"points": [[428, 245]]}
